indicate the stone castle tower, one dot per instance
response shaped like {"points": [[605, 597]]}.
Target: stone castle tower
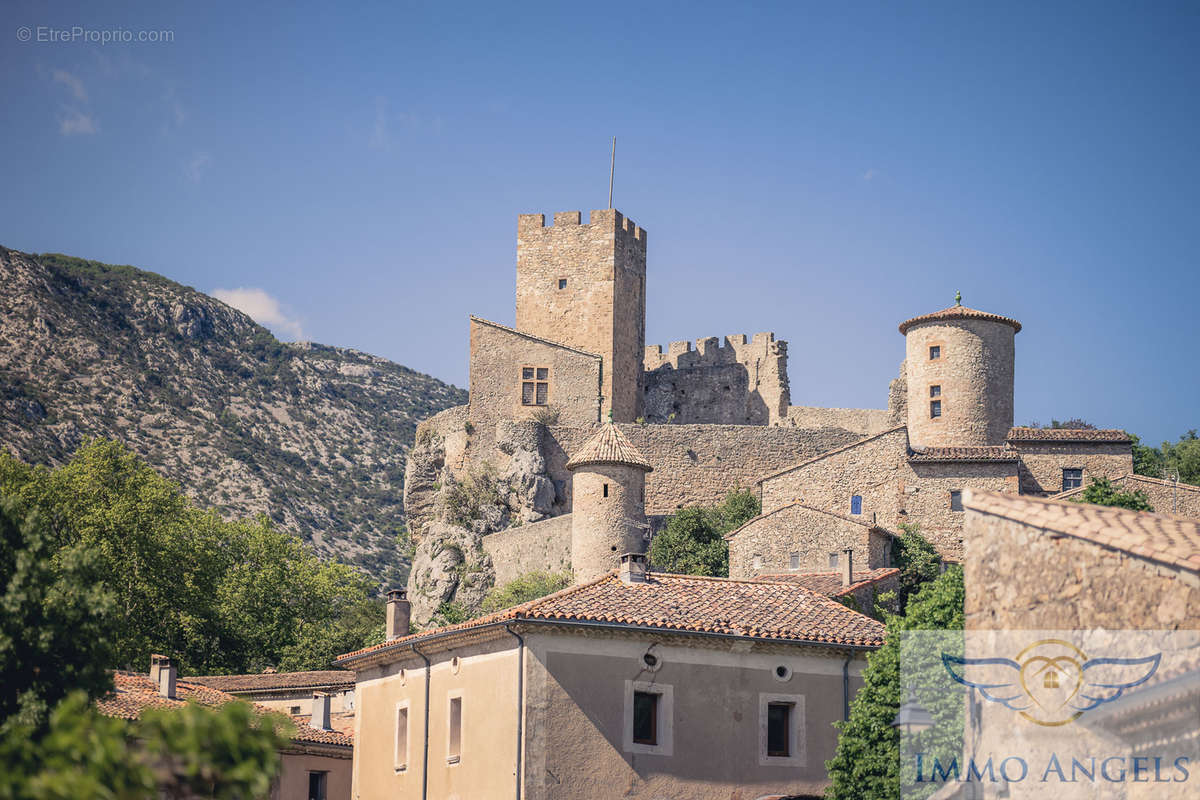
{"points": [[608, 515], [959, 370], [584, 285]]}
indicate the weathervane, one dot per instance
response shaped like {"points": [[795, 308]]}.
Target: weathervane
{"points": [[958, 298]]}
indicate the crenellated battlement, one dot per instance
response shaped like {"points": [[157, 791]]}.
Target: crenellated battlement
{"points": [[606, 219], [714, 351]]}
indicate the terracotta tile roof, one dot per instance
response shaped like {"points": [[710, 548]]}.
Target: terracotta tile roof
{"points": [[857, 519], [1164, 538], [943, 454], [1066, 435], [959, 312], [834, 451], [830, 583], [609, 446], [1125, 480], [265, 681], [134, 692], [685, 604]]}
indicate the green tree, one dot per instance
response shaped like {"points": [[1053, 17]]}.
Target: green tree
{"points": [[918, 560], [529, 586], [867, 763], [1174, 459], [693, 542], [1101, 492], [55, 618]]}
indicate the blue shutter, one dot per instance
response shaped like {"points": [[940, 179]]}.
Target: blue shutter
{"points": [[856, 504]]}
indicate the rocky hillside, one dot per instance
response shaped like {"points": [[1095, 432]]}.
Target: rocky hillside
{"points": [[313, 436]]}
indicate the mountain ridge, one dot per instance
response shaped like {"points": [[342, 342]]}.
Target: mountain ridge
{"points": [[312, 435]]}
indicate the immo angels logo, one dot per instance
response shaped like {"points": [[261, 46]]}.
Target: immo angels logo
{"points": [[1051, 682]]}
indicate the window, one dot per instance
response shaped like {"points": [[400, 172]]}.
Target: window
{"points": [[645, 718], [935, 352], [833, 560], [316, 785], [794, 561], [955, 500], [935, 409], [605, 490], [535, 386], [454, 747], [935, 391], [294, 710], [779, 719], [400, 756], [562, 283], [1072, 479], [856, 504]]}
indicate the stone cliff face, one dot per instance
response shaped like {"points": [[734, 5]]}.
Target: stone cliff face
{"points": [[313, 436]]}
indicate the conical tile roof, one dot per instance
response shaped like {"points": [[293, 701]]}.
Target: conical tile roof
{"points": [[960, 312], [609, 446]]}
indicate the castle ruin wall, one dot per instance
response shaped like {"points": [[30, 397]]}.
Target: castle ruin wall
{"points": [[536, 547]]}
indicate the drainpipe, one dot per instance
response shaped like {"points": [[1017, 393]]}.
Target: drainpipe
{"points": [[846, 689], [425, 766], [520, 701]]}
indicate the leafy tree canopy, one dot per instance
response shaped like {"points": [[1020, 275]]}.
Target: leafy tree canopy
{"points": [[918, 560], [1174, 459], [1101, 492], [693, 542], [867, 763], [220, 596], [528, 587]]}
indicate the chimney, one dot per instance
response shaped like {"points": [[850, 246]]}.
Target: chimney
{"points": [[320, 711], [633, 568], [847, 566], [399, 610], [156, 661], [167, 672]]}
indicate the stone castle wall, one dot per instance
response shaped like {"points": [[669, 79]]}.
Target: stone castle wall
{"points": [[864, 421], [731, 381], [601, 305], [974, 380], [539, 546]]}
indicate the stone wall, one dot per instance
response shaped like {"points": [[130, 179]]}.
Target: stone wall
{"points": [[974, 380], [1020, 576], [699, 464], [584, 285], [1167, 497], [1042, 463], [767, 542], [539, 546], [731, 381], [498, 355], [893, 489], [864, 421]]}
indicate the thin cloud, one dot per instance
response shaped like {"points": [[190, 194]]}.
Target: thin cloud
{"points": [[197, 166], [71, 82], [263, 309], [870, 175], [74, 122]]}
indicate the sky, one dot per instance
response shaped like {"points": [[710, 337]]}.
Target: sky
{"points": [[820, 170]]}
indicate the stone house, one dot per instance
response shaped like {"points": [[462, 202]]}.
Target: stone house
{"points": [[316, 766], [1167, 497], [863, 586], [632, 684], [288, 692]]}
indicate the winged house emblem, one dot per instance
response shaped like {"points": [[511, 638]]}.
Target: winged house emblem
{"points": [[1051, 682]]}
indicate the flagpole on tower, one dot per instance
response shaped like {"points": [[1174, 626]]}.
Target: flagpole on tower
{"points": [[612, 167]]}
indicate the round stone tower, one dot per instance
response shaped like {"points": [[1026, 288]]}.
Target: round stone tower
{"points": [[608, 506], [959, 367]]}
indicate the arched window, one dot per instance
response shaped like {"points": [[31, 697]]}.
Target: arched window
{"points": [[856, 504]]}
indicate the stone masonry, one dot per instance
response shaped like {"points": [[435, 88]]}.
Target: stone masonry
{"points": [[815, 537]]}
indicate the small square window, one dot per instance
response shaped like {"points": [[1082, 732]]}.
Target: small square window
{"points": [[794, 561], [955, 500], [645, 718], [562, 283], [856, 504], [543, 373], [935, 352], [779, 718], [833, 560], [935, 391], [935, 409], [1072, 479], [527, 373], [535, 386]]}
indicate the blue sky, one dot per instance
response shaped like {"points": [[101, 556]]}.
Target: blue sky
{"points": [[820, 170]]}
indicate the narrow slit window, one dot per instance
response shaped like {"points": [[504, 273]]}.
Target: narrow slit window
{"points": [[779, 723], [605, 490], [956, 500], [401, 754], [856, 504], [645, 718], [935, 409], [935, 391], [833, 560], [794, 561], [454, 751]]}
